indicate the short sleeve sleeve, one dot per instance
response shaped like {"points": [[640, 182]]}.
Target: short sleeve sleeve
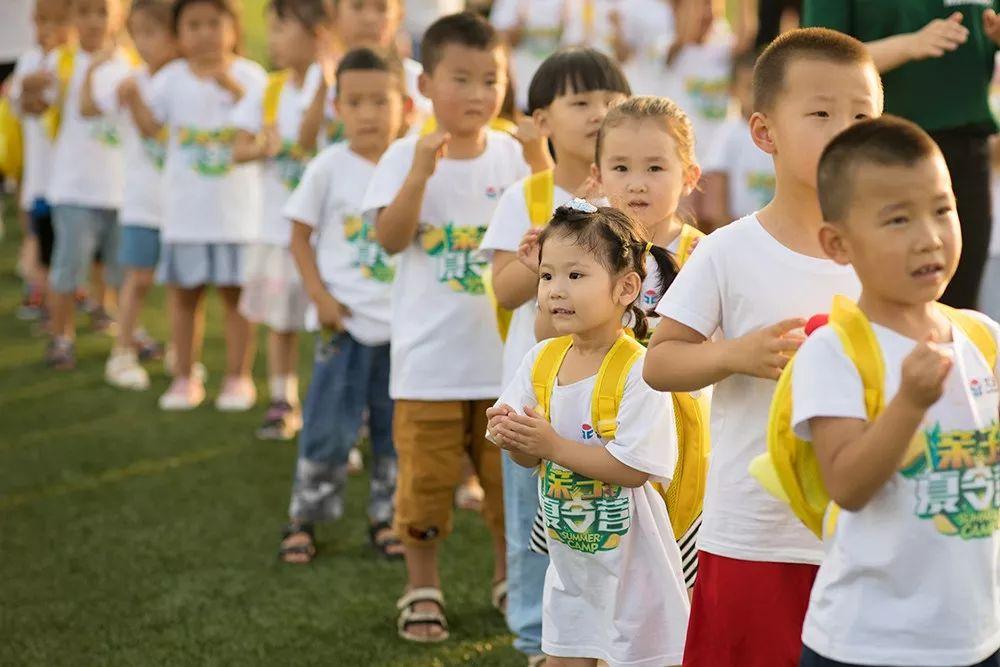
{"points": [[510, 221], [646, 438], [306, 202], [695, 296], [833, 14], [504, 14], [389, 175], [161, 88], [825, 383]]}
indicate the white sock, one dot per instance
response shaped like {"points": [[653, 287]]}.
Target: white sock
{"points": [[292, 389], [276, 384]]}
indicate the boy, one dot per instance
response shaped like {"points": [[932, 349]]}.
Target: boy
{"points": [[910, 575], [348, 278], [434, 196], [754, 281]]}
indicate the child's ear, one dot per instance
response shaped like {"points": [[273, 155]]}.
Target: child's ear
{"points": [[629, 287], [595, 173], [760, 132], [834, 243], [424, 84], [541, 118], [691, 177]]}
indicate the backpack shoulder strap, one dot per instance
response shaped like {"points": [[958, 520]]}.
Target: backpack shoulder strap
{"points": [[610, 384], [688, 237], [539, 195], [858, 338], [976, 331], [545, 371], [65, 61], [272, 96]]}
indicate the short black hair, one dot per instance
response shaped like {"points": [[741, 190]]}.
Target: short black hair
{"points": [[310, 13], [804, 43], [368, 60], [574, 70], [161, 10], [465, 28], [888, 141]]}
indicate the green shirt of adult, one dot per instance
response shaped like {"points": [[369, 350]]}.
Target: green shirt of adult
{"points": [[938, 93]]}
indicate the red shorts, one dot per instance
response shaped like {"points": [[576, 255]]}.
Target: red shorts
{"points": [[747, 613]]}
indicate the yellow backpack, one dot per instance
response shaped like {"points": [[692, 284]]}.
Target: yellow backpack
{"points": [[272, 96], [686, 493], [11, 141], [52, 118], [789, 470]]}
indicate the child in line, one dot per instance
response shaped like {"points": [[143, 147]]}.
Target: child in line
{"points": [[349, 280], [149, 24], [917, 485], [739, 177], [211, 205], [754, 282], [614, 589], [270, 123], [434, 196], [53, 30], [85, 194], [569, 96]]}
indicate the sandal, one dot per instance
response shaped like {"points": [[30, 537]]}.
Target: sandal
{"points": [[305, 549], [385, 545], [498, 596], [409, 616]]}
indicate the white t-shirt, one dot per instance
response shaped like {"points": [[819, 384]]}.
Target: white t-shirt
{"points": [[445, 344], [739, 280], [648, 27], [750, 170], [143, 202], [614, 588], [87, 164], [509, 225], [37, 146], [591, 27], [541, 23], [356, 270], [207, 198], [281, 174], [913, 578]]}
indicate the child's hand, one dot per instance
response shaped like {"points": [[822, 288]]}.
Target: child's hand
{"points": [[534, 145], [430, 149], [128, 90], [495, 416], [530, 434], [327, 61], [270, 140], [331, 313], [924, 372], [37, 82], [941, 36], [527, 251], [765, 352], [991, 25]]}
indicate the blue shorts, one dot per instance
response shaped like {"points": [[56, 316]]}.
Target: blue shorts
{"points": [[190, 265], [81, 234], [139, 247]]}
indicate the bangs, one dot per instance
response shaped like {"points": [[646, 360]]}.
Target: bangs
{"points": [[573, 71]]}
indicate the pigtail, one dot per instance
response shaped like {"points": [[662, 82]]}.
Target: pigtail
{"points": [[667, 267]]}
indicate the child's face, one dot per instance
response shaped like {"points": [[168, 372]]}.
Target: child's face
{"points": [[96, 22], [154, 40], [820, 99], [466, 87], [290, 44], [206, 33], [368, 23], [579, 293], [901, 233], [573, 120], [641, 172], [52, 23], [370, 104]]}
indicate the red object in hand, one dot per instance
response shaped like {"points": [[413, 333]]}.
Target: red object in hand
{"points": [[815, 322]]}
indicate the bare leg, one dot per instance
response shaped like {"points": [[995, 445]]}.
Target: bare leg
{"points": [[422, 571], [62, 307], [134, 290], [282, 365], [188, 328], [239, 339]]}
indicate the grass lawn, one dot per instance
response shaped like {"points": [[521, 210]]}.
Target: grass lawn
{"points": [[129, 536]]}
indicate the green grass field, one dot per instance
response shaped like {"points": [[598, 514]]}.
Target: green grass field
{"points": [[129, 536]]}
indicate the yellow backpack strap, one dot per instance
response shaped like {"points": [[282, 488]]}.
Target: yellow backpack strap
{"points": [[498, 124], [430, 124], [52, 118], [688, 237], [545, 370], [539, 196], [272, 96], [862, 348], [610, 385], [974, 330], [685, 496]]}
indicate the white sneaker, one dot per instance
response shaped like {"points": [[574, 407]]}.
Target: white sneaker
{"points": [[124, 371], [238, 395], [183, 395]]}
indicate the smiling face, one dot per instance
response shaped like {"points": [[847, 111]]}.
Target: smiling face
{"points": [[901, 231], [467, 87]]}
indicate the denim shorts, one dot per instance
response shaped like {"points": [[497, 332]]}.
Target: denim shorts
{"points": [[81, 233], [139, 247], [190, 265]]}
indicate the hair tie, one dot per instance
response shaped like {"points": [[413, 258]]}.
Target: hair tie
{"points": [[649, 246]]}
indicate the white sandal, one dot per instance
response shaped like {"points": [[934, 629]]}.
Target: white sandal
{"points": [[409, 616]]}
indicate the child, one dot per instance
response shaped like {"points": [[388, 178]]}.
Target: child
{"points": [[85, 194], [141, 214], [53, 29], [754, 281], [211, 205], [434, 196], [269, 125], [614, 589], [916, 485], [348, 277], [569, 97], [739, 177]]}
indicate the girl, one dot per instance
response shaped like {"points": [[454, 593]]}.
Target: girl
{"points": [[269, 131], [614, 589], [139, 245], [211, 205]]}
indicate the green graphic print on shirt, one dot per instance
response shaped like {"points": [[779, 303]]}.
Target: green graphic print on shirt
{"points": [[710, 97], [958, 480], [208, 152], [106, 132], [761, 185], [584, 514], [290, 162], [460, 263], [371, 259]]}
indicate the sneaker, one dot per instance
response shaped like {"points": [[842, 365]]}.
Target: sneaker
{"points": [[183, 394], [148, 348], [32, 307], [61, 354], [282, 422], [355, 462], [238, 395], [123, 371]]}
